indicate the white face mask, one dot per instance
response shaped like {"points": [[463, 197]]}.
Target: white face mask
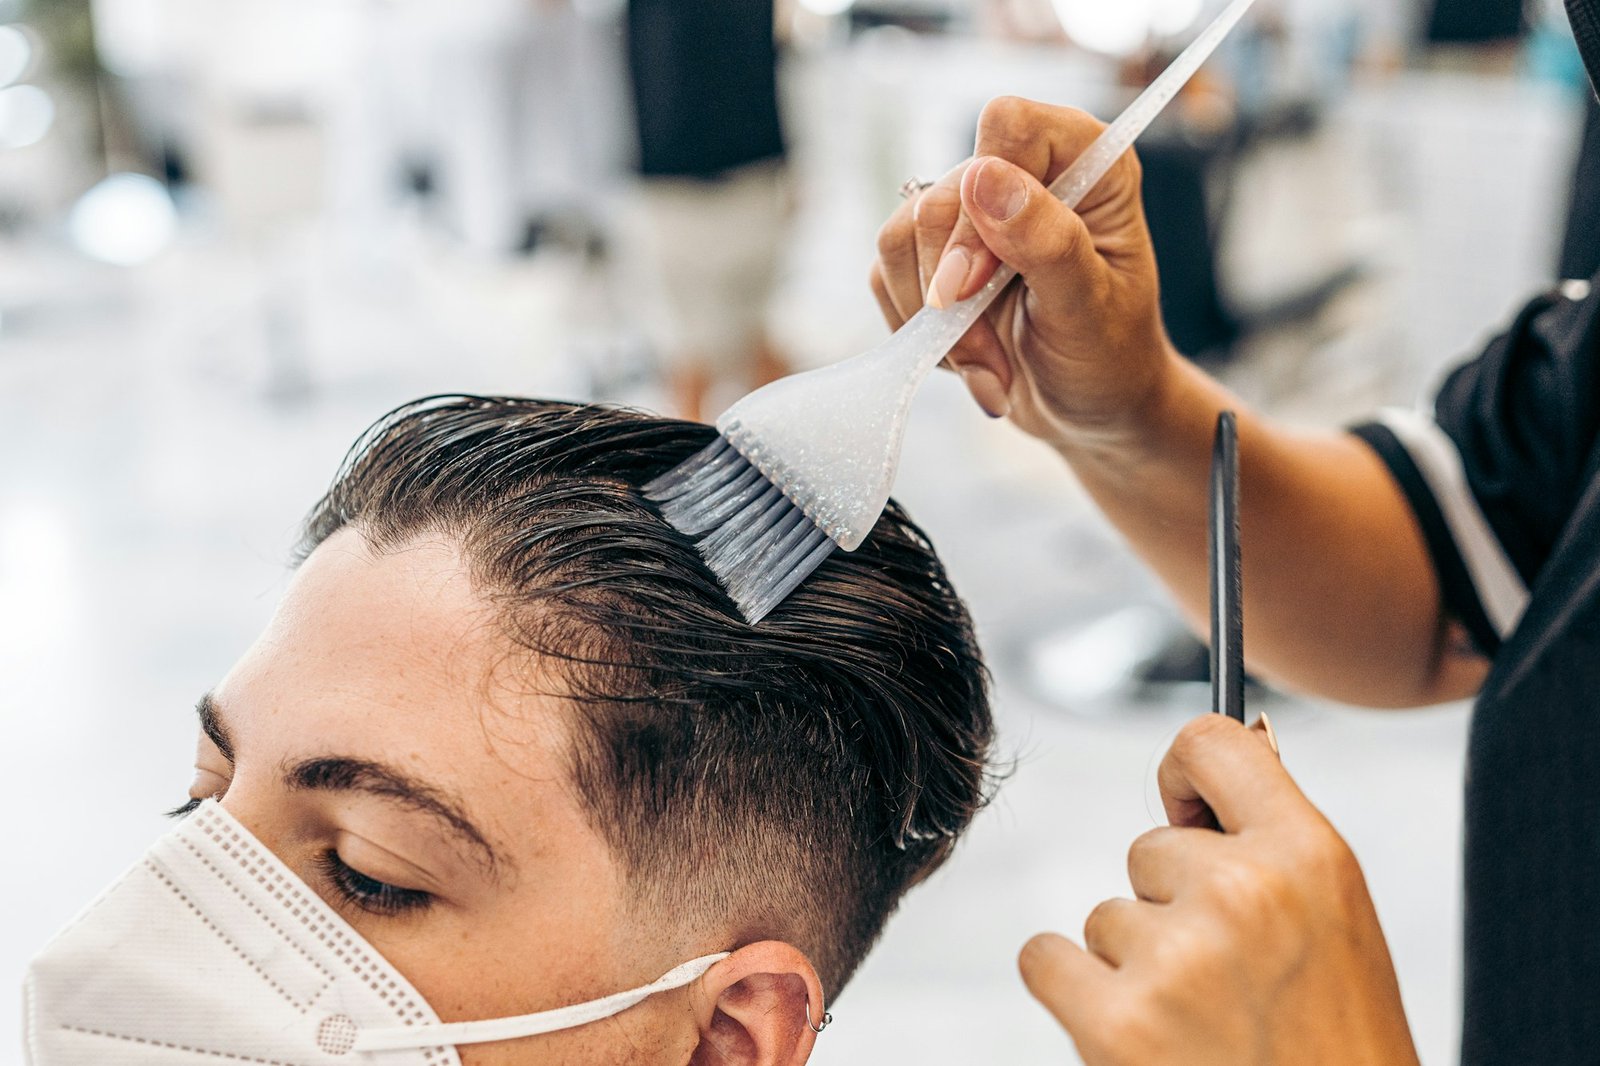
{"points": [[211, 951]]}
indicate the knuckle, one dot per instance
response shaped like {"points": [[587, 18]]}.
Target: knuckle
{"points": [[1077, 125], [1180, 954], [1207, 727], [1183, 749], [1318, 843], [1010, 124], [1020, 114], [886, 242], [1039, 137], [1195, 738], [1036, 962], [1079, 117], [1100, 919], [1148, 841], [1144, 848], [1252, 894], [1185, 958], [1003, 112], [880, 290], [894, 234], [1329, 861], [937, 208]]}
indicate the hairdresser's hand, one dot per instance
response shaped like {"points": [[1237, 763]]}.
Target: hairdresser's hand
{"points": [[1079, 350], [1254, 946]]}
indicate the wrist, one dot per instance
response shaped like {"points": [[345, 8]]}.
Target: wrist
{"points": [[1135, 432]]}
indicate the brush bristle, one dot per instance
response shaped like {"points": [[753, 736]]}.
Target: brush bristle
{"points": [[758, 543]]}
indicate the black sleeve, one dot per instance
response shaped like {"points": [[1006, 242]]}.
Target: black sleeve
{"points": [[1496, 469]]}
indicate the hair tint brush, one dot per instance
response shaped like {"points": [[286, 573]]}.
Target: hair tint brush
{"points": [[806, 464]]}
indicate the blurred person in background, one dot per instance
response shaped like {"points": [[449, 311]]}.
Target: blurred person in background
{"points": [[1421, 558], [1021, 20], [716, 195], [1476, 22]]}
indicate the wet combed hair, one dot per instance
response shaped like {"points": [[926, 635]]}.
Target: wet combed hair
{"points": [[795, 777]]}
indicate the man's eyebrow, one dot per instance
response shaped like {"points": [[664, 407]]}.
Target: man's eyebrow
{"points": [[344, 774], [211, 725]]}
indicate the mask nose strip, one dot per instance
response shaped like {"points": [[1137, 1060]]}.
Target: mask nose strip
{"points": [[336, 1034]]}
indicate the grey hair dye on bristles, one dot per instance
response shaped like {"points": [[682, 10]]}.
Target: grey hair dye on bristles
{"points": [[757, 541]]}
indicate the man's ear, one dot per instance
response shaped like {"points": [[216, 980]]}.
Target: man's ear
{"points": [[761, 1006]]}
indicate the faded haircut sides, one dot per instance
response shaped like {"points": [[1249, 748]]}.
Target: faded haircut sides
{"points": [[795, 777]]}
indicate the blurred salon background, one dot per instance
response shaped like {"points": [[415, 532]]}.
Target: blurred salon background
{"points": [[232, 234]]}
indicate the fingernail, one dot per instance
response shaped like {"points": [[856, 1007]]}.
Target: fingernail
{"points": [[944, 288], [1264, 725], [999, 191]]}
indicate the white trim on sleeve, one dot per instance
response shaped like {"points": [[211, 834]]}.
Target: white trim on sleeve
{"points": [[1500, 588]]}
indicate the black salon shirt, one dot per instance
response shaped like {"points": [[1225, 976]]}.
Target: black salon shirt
{"points": [[705, 85], [1504, 477]]}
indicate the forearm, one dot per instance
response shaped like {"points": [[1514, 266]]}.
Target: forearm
{"points": [[1341, 598]]}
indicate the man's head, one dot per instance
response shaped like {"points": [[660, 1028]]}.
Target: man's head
{"points": [[508, 722]]}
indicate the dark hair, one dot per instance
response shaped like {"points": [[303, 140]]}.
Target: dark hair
{"points": [[797, 776]]}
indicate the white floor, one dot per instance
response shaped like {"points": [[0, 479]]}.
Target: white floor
{"points": [[153, 466]]}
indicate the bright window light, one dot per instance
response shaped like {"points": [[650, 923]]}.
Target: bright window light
{"points": [[1119, 27], [26, 113], [827, 7], [1172, 17], [16, 53], [126, 220], [37, 578]]}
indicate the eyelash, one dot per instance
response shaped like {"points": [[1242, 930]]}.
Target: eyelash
{"points": [[184, 809], [368, 893], [353, 886]]}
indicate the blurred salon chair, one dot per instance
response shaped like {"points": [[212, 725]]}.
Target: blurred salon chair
{"points": [[1187, 178]]}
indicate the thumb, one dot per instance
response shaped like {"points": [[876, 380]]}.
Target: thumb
{"points": [[1009, 216], [1217, 768]]}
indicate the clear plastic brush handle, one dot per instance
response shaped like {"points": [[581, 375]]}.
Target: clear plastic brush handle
{"points": [[936, 332]]}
